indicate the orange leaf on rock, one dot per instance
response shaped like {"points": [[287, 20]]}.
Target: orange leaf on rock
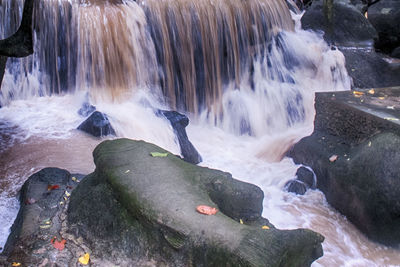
{"points": [[53, 187], [60, 245], [207, 210]]}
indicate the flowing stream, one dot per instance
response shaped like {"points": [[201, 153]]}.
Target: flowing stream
{"points": [[243, 71]]}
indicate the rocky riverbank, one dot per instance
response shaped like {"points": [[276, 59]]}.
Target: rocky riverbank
{"points": [[139, 207], [354, 154]]}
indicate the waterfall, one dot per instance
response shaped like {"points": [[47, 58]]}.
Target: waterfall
{"points": [[236, 64]]}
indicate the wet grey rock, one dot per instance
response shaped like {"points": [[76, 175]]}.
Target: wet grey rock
{"points": [[86, 109], [384, 15], [342, 24], [296, 186], [369, 69], [179, 122], [138, 207], [363, 182], [396, 52], [40, 219], [97, 125], [305, 179]]}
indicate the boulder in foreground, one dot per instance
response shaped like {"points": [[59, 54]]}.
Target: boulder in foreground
{"points": [[136, 206]]}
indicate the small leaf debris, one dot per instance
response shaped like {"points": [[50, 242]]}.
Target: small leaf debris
{"points": [[333, 158], [158, 154], [60, 245], [16, 264], [52, 187], [206, 210], [265, 227], [371, 91], [30, 201], [75, 179], [84, 259], [241, 221]]}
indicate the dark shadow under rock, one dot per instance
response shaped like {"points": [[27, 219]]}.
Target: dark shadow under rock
{"points": [[136, 206], [97, 125], [179, 122]]}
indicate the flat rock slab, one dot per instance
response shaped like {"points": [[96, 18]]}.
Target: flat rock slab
{"points": [[354, 153], [137, 206]]}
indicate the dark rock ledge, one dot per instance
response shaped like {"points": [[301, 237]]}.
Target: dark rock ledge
{"points": [[354, 151], [139, 210]]}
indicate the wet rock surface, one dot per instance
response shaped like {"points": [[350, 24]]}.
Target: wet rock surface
{"points": [[385, 17], [354, 153], [179, 122], [41, 218], [342, 23], [305, 179], [144, 207], [97, 125], [140, 210]]}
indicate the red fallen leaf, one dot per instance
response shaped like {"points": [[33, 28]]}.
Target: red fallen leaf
{"points": [[53, 187], [69, 187], [60, 245], [207, 210], [30, 201]]}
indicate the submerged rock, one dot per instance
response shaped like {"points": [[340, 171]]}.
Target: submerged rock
{"points": [[354, 153], [97, 125], [179, 122], [305, 179], [137, 207], [86, 109]]}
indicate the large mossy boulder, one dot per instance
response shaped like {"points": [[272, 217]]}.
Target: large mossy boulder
{"points": [[354, 154], [137, 208]]}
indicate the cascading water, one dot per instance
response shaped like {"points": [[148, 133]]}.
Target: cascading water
{"points": [[243, 71]]}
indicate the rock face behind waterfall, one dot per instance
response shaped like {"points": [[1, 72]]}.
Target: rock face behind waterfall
{"points": [[136, 207], [354, 152]]}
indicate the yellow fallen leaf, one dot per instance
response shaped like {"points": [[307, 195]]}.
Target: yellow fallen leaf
{"points": [[333, 158], [158, 154], [65, 198], [67, 193], [392, 119], [265, 227], [381, 98], [16, 264], [74, 178], [371, 91], [127, 171], [84, 259], [369, 143], [241, 221], [357, 93], [61, 203], [44, 226]]}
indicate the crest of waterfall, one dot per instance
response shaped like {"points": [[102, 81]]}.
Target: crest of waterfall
{"points": [[245, 66]]}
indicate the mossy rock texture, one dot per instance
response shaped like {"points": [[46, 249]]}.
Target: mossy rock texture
{"points": [[136, 209]]}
